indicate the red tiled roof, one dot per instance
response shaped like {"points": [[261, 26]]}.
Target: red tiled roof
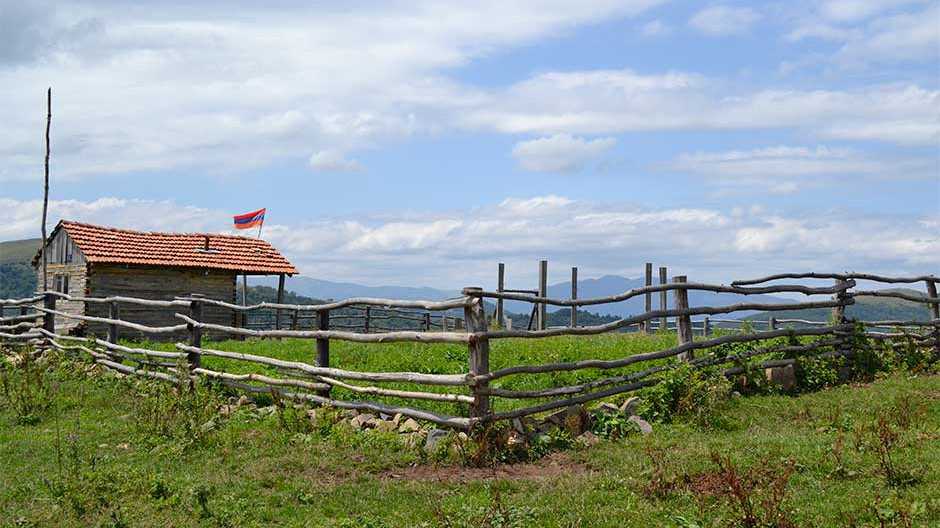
{"points": [[236, 253]]}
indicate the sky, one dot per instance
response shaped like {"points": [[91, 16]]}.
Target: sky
{"points": [[421, 143]]}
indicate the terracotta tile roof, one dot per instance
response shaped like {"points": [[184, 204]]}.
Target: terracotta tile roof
{"points": [[228, 252]]}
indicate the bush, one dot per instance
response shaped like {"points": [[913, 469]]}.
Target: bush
{"points": [[687, 394], [24, 386], [164, 412]]}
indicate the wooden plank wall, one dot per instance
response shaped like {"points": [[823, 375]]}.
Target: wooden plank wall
{"points": [[60, 246], [159, 283]]}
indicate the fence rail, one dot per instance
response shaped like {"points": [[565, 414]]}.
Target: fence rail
{"points": [[470, 393]]}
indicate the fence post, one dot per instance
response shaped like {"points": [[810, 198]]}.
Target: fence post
{"points": [[195, 332], [48, 319], [323, 345], [113, 313], [705, 327], [427, 321], [543, 292], [838, 312], [574, 296], [772, 324], [475, 321], [368, 319], [500, 286], [662, 297], [683, 322], [444, 321], [295, 320], [934, 311], [280, 300], [645, 325]]}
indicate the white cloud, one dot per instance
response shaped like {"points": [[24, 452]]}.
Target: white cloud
{"points": [[461, 247], [560, 152], [655, 28], [853, 10], [718, 20], [333, 161]]}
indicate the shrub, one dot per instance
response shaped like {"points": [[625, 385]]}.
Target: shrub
{"points": [[756, 495], [165, 412], [690, 394], [24, 386]]}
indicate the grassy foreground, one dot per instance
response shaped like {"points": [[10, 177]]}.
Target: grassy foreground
{"points": [[109, 453]]}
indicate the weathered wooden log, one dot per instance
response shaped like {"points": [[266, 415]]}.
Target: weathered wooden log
{"points": [[20, 302], [417, 395], [17, 326], [479, 350], [119, 298], [437, 306], [408, 336], [609, 364], [932, 323], [126, 324], [896, 295], [577, 400], [20, 318], [281, 382], [140, 351], [683, 322], [846, 276], [20, 337], [786, 288], [398, 377], [622, 323]]}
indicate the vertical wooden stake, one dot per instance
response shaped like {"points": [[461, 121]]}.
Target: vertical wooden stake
{"points": [[479, 348], [838, 312], [772, 324], [280, 300], [195, 333], [45, 192], [705, 327], [543, 292], [295, 317], [113, 328], [934, 312], [649, 296], [48, 319], [683, 322], [574, 296], [368, 320], [444, 321], [427, 321], [500, 286], [323, 345], [662, 297]]}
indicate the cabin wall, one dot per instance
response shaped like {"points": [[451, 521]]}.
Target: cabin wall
{"points": [[159, 283], [64, 260]]}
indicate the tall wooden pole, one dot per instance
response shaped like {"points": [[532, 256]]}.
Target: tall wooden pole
{"points": [[500, 285], [574, 295], [683, 322], [662, 296], [543, 292], [45, 192], [280, 300], [649, 295]]}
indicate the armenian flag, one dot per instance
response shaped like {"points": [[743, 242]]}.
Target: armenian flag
{"points": [[250, 220]]}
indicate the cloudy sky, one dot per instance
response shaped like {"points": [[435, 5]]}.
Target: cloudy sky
{"points": [[420, 143]]}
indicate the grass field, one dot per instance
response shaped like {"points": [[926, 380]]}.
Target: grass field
{"points": [[122, 452]]}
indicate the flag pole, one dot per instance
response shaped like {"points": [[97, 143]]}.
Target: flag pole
{"points": [[245, 275]]}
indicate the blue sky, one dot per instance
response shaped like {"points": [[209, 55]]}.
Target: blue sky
{"points": [[421, 143]]}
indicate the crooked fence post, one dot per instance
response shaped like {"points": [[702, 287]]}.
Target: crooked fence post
{"points": [[934, 313], [48, 319], [838, 312], [367, 319], [194, 359], [500, 286], [427, 321], [479, 347], [113, 313], [574, 297], [647, 326], [662, 297], [683, 322], [323, 345]]}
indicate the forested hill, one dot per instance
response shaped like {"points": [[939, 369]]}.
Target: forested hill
{"points": [[17, 277]]}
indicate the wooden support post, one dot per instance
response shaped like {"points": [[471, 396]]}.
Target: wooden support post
{"points": [[662, 297], [241, 319], [574, 296], [24, 310], [683, 322], [479, 348], [934, 313], [444, 322], [48, 319], [705, 327], [543, 292], [427, 321], [245, 290], [500, 286], [649, 296], [838, 312], [368, 320], [323, 345], [195, 333], [280, 299], [113, 328], [294, 325], [772, 324]]}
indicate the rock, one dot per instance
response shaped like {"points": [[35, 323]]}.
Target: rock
{"points": [[244, 400], [607, 408], [435, 437], [208, 426], [463, 437], [312, 414], [124, 445], [226, 410], [103, 446], [574, 419], [386, 417], [397, 419], [735, 394], [362, 421], [588, 438], [644, 426], [784, 377], [515, 439], [348, 414], [409, 426], [265, 411], [524, 425], [383, 426], [630, 405]]}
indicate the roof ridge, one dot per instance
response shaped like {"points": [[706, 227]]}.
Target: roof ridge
{"points": [[66, 223]]}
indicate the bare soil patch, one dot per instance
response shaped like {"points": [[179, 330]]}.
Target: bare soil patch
{"points": [[552, 466]]}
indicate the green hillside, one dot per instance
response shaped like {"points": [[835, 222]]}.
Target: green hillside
{"points": [[17, 278], [865, 309]]}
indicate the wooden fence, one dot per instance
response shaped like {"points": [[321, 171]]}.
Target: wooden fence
{"points": [[474, 390]]}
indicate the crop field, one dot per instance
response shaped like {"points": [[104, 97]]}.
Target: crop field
{"points": [[117, 451]]}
